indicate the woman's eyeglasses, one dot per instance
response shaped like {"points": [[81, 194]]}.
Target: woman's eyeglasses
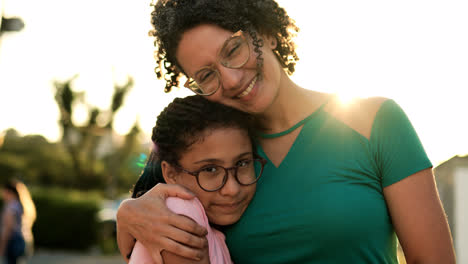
{"points": [[234, 54]]}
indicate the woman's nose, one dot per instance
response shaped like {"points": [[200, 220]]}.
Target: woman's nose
{"points": [[230, 78]]}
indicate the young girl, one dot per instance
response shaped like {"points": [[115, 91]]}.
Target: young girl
{"points": [[205, 147]]}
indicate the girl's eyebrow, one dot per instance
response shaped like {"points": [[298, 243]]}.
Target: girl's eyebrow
{"points": [[214, 160]]}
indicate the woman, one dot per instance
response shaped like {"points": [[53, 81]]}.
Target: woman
{"points": [[18, 215], [343, 183], [190, 149]]}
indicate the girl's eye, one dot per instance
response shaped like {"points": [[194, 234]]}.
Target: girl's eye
{"points": [[212, 169], [243, 163]]}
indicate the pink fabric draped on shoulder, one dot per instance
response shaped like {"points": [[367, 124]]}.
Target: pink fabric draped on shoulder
{"points": [[219, 253]]}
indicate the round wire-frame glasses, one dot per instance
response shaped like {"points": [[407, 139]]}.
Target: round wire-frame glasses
{"points": [[234, 54], [251, 162]]}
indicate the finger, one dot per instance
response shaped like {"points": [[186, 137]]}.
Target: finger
{"points": [[173, 190], [187, 224], [156, 256], [174, 234], [183, 250]]}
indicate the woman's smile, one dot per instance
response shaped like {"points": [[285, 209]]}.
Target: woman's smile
{"points": [[249, 89]]}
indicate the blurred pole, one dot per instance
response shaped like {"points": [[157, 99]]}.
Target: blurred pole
{"points": [[8, 24], [2, 7]]}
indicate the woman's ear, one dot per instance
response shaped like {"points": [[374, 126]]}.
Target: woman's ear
{"points": [[169, 173]]}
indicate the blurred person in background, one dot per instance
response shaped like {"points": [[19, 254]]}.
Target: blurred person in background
{"points": [[17, 218]]}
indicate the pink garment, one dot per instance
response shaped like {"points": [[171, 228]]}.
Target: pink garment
{"points": [[219, 253]]}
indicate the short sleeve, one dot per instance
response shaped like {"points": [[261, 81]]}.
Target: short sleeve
{"points": [[140, 255], [190, 208], [396, 147], [218, 250]]}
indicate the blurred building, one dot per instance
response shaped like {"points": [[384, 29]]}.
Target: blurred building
{"points": [[452, 183]]}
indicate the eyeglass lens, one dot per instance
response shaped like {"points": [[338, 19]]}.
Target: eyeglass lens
{"points": [[234, 54], [213, 178]]}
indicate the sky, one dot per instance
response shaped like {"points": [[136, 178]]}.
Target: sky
{"points": [[411, 51]]}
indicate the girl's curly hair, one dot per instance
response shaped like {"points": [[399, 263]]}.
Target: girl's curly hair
{"points": [[171, 18], [180, 125]]}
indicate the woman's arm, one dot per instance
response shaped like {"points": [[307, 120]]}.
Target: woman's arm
{"points": [[419, 219], [171, 258], [148, 220]]}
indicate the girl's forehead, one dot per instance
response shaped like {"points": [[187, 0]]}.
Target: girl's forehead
{"points": [[223, 137]]}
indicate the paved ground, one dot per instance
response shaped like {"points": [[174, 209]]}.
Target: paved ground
{"points": [[57, 257]]}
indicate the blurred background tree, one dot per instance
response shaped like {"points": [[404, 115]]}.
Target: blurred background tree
{"points": [[90, 156], [78, 181]]}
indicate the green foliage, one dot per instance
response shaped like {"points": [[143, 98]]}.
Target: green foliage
{"points": [[38, 162], [65, 219], [35, 160], [107, 240]]}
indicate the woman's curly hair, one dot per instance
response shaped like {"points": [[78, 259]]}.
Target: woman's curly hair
{"points": [[181, 124], [171, 18]]}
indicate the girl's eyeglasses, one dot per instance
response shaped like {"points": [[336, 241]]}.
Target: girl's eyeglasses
{"points": [[214, 177]]}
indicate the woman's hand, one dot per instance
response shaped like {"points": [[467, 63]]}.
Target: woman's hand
{"points": [[148, 220]]}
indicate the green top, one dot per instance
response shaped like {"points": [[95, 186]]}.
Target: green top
{"points": [[324, 203]]}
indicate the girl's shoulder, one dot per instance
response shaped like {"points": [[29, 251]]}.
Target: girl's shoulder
{"points": [[191, 208]]}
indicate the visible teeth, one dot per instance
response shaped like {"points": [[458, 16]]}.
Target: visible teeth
{"points": [[249, 89]]}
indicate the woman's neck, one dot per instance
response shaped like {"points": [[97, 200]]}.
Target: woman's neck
{"points": [[292, 104]]}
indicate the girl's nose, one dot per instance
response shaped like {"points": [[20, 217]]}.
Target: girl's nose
{"points": [[232, 187]]}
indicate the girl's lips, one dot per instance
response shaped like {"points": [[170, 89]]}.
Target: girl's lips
{"points": [[228, 207]]}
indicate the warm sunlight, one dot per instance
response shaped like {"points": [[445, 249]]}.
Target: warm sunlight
{"points": [[346, 98], [413, 52]]}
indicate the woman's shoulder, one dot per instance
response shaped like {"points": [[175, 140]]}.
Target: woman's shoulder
{"points": [[357, 113]]}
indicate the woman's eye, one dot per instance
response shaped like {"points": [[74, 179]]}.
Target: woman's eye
{"points": [[233, 50], [206, 76]]}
